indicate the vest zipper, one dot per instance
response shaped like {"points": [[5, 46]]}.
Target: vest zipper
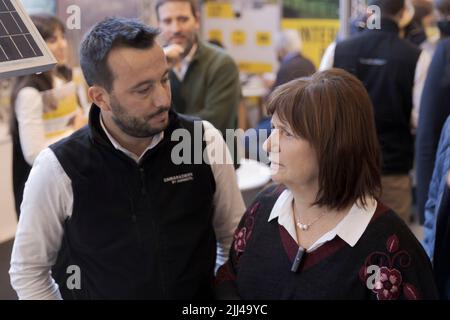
{"points": [[143, 186]]}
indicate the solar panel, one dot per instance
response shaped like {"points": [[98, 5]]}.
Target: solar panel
{"points": [[22, 49]]}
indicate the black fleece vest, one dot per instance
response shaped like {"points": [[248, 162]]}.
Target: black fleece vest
{"points": [[386, 65], [136, 231]]}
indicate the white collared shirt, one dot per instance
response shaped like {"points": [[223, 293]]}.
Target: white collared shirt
{"points": [[155, 140], [181, 69], [350, 229], [48, 202]]}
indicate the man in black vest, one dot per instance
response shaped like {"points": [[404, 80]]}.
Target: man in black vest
{"points": [[111, 210], [393, 72]]}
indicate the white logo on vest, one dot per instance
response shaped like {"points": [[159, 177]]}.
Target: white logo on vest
{"points": [[180, 178]]}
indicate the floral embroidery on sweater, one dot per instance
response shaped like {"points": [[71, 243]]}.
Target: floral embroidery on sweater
{"points": [[244, 232], [381, 272]]}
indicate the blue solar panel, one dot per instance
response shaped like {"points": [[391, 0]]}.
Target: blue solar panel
{"points": [[22, 49], [16, 41]]}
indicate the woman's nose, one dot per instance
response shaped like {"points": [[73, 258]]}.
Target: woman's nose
{"points": [[271, 144], [63, 43], [266, 145]]}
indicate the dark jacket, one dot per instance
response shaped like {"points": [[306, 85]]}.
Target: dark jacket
{"points": [[386, 65], [434, 109], [437, 189]]}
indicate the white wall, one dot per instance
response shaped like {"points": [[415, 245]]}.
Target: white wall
{"points": [[7, 211]]}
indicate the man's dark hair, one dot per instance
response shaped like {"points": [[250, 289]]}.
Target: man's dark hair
{"points": [[105, 36], [388, 7]]}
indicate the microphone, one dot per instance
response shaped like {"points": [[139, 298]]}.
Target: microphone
{"points": [[298, 259]]}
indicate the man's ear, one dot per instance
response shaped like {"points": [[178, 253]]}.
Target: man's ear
{"points": [[100, 97]]}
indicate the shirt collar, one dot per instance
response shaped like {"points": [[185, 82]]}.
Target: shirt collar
{"points": [[191, 54], [155, 140], [350, 229], [181, 69]]}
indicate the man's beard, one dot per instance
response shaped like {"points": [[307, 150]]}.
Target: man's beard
{"points": [[138, 127], [190, 41]]}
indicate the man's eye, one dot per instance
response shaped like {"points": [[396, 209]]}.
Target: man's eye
{"points": [[143, 91]]}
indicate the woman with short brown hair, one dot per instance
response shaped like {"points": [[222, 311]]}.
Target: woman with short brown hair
{"points": [[321, 233]]}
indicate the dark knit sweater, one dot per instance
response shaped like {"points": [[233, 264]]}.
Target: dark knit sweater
{"points": [[263, 252], [210, 89]]}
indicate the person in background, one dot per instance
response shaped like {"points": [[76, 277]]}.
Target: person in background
{"points": [[443, 17], [434, 108], [359, 24], [393, 71], [415, 31], [293, 64], [439, 19], [114, 201], [322, 233], [45, 107], [204, 79]]}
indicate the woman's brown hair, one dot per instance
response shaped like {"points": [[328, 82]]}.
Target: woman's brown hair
{"points": [[332, 110]]}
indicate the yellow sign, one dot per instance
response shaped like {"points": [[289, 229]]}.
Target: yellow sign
{"points": [[316, 34], [215, 35], [255, 67], [219, 10], [263, 39], [238, 38]]}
